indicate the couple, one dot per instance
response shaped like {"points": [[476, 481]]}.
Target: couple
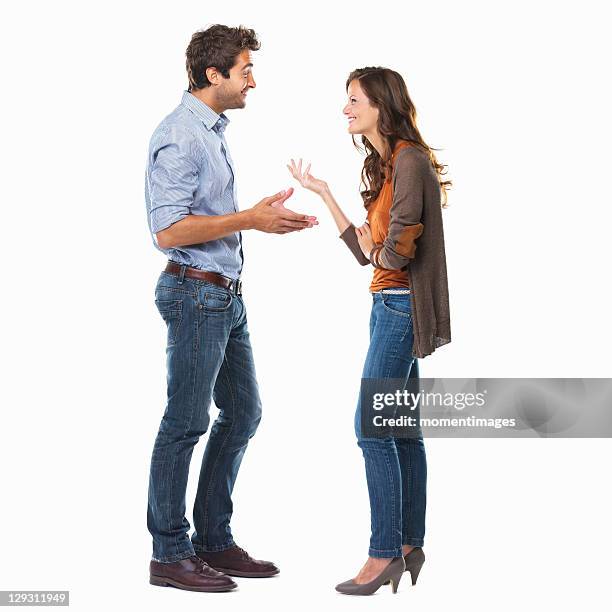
{"points": [[193, 216]]}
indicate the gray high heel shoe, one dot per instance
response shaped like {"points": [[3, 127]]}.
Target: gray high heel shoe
{"points": [[392, 573], [414, 562]]}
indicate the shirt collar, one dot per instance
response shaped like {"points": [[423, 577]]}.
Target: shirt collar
{"points": [[207, 115]]}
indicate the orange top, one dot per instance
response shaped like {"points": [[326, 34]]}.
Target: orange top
{"points": [[379, 216]]}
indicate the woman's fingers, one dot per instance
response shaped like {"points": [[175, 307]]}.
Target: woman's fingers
{"points": [[296, 171], [295, 174]]}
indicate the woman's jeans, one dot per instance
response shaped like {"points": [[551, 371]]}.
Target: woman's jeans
{"points": [[208, 357], [396, 468]]}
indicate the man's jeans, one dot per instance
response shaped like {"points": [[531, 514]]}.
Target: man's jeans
{"points": [[396, 469], [208, 356]]}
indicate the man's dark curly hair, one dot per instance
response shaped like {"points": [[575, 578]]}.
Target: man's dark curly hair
{"points": [[217, 46]]}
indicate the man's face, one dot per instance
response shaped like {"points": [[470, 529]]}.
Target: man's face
{"points": [[233, 91]]}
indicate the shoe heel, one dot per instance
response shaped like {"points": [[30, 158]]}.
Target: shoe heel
{"points": [[414, 573], [157, 581], [395, 580]]}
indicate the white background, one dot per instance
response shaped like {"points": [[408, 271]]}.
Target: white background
{"points": [[515, 96]]}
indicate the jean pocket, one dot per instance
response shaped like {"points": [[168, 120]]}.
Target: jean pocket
{"points": [[171, 312], [397, 304], [216, 301]]}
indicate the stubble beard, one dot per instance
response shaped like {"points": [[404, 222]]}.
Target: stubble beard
{"points": [[236, 100]]}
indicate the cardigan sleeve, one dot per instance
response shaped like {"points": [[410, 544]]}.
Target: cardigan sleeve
{"points": [[350, 239], [405, 226]]}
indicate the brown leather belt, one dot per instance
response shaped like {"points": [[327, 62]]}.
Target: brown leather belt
{"points": [[211, 277]]}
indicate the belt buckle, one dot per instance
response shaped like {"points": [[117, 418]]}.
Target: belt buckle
{"points": [[235, 286]]}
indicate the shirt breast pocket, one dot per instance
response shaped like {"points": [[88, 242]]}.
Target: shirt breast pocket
{"points": [[216, 189], [207, 189]]}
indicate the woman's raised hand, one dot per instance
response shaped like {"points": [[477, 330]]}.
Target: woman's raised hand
{"points": [[305, 179]]}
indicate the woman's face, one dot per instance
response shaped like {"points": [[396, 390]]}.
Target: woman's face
{"points": [[362, 117]]}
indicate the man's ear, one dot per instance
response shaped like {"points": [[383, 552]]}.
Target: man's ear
{"points": [[213, 75]]}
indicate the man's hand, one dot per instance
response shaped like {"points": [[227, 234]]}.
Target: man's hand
{"points": [[271, 216], [364, 237]]}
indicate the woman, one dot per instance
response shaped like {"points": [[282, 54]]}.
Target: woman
{"points": [[403, 240]]}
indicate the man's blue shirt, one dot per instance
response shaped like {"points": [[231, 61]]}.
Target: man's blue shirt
{"points": [[190, 171]]}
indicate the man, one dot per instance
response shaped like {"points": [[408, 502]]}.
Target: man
{"points": [[193, 216]]}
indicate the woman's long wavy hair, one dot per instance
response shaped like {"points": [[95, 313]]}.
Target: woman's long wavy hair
{"points": [[387, 91]]}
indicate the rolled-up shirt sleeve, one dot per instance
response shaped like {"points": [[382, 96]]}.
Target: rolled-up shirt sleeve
{"points": [[174, 168], [405, 226]]}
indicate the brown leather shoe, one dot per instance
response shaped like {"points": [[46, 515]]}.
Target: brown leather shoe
{"points": [[237, 562], [191, 574]]}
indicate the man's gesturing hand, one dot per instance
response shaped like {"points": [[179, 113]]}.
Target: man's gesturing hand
{"points": [[270, 215]]}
